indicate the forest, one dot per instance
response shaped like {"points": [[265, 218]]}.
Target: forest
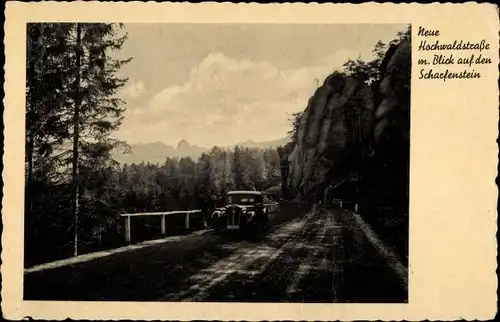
{"points": [[183, 184], [74, 190]]}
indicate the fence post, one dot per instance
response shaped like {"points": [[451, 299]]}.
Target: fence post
{"points": [[356, 208], [187, 221], [127, 229], [163, 230]]}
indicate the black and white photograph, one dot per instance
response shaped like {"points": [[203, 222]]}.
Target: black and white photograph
{"points": [[221, 162]]}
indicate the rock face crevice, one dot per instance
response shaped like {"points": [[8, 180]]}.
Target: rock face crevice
{"points": [[352, 134]]}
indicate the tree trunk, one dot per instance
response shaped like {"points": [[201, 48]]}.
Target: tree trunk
{"points": [[76, 120]]}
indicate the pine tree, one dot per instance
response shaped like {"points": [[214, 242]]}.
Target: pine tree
{"points": [[97, 113], [70, 114], [48, 82], [228, 181], [204, 173], [47, 101], [237, 168], [294, 132]]}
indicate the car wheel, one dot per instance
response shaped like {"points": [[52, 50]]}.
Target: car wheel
{"points": [[217, 225]]}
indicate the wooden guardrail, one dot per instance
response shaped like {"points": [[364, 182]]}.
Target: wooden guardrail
{"points": [[163, 221], [271, 207]]}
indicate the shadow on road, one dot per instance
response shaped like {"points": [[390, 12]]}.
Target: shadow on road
{"points": [[138, 275], [319, 256]]}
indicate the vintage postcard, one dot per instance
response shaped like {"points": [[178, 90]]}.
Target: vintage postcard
{"points": [[176, 161]]}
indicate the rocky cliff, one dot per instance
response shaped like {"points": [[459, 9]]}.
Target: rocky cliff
{"points": [[353, 135], [338, 116]]}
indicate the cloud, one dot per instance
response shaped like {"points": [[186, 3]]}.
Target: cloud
{"points": [[134, 90], [339, 57], [226, 101]]}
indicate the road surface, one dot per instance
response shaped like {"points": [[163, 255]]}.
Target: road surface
{"points": [[312, 256]]}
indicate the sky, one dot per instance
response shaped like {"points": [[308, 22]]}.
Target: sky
{"points": [[221, 84]]}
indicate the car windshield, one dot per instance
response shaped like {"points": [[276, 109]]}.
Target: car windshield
{"points": [[241, 199]]}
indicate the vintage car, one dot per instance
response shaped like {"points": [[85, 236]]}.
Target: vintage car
{"points": [[246, 212]]}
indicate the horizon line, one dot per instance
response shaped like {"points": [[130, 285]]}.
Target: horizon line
{"points": [[206, 147]]}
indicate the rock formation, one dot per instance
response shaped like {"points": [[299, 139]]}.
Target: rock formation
{"points": [[349, 128], [338, 116], [394, 89]]}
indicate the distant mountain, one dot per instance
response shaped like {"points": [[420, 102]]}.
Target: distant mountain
{"points": [[157, 152], [184, 149], [264, 145]]}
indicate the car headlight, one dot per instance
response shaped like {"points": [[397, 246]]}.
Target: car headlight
{"points": [[217, 214]]}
